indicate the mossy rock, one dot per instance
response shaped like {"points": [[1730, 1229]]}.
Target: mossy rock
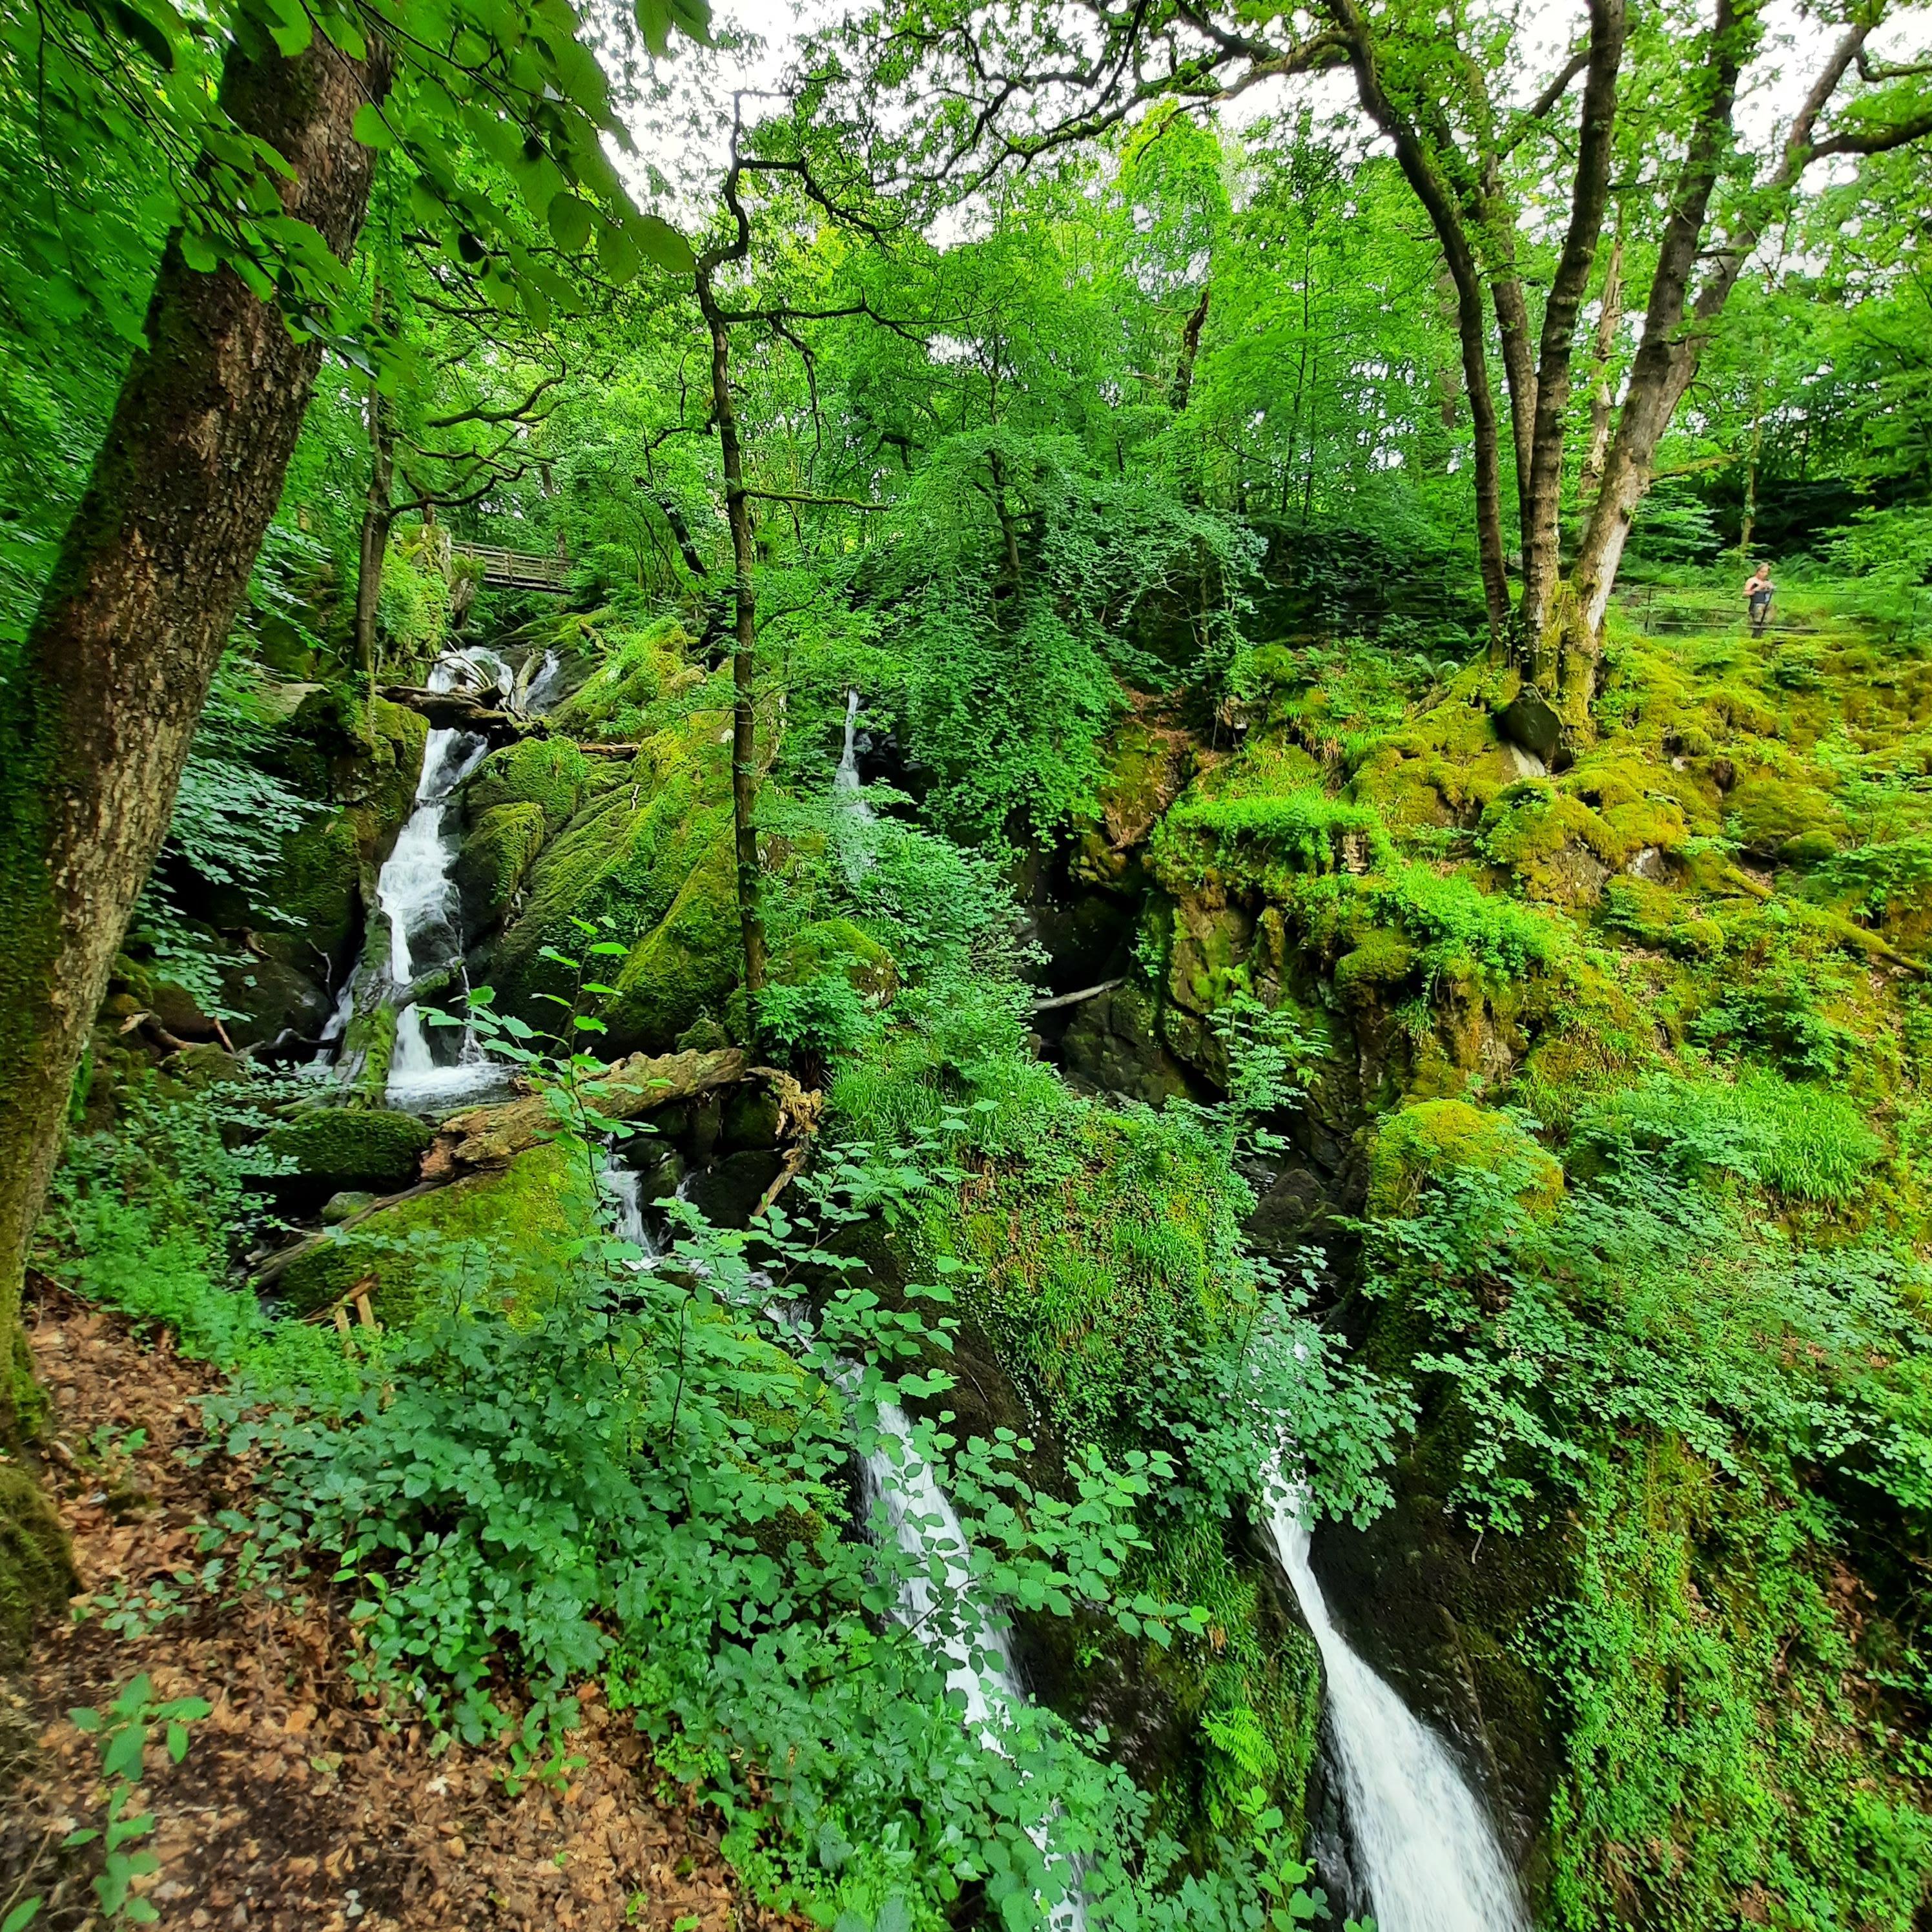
{"points": [[497, 856], [505, 1228], [317, 881], [353, 1147], [1808, 849], [549, 773], [624, 863], [1380, 959], [1769, 813], [1438, 1138], [687, 965], [37, 1572], [837, 945]]}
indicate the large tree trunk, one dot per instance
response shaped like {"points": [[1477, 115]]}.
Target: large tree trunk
{"points": [[744, 659], [1666, 359], [112, 679], [1431, 190], [1589, 195], [379, 515], [1609, 320]]}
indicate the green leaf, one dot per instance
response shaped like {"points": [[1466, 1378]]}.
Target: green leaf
{"points": [[122, 1755], [654, 24], [694, 18], [661, 243], [85, 1720], [144, 33], [22, 1916], [370, 129], [570, 222], [617, 254]]}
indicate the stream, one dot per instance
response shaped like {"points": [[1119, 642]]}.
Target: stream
{"points": [[1429, 1858], [416, 892]]}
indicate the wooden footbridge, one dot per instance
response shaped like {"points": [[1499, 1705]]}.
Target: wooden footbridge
{"points": [[516, 569]]}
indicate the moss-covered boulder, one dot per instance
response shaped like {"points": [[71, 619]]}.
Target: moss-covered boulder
{"points": [[648, 860], [339, 1147], [1438, 1138], [37, 1572], [496, 855], [689, 964], [838, 945], [505, 1229], [549, 773]]}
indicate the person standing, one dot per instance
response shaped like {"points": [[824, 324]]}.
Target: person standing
{"points": [[1759, 590]]}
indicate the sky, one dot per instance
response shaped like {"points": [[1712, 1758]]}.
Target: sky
{"points": [[685, 138]]}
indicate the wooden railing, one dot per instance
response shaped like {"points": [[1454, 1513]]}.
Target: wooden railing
{"points": [[516, 569]]}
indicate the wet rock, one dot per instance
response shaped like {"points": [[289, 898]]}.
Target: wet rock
{"points": [[728, 1193]]}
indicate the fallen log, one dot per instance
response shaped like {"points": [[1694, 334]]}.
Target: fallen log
{"points": [[462, 711], [493, 1136]]}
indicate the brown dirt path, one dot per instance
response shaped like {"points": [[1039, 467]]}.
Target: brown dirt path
{"points": [[298, 1807]]}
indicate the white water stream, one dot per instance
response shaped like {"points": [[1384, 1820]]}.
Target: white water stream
{"points": [[854, 842], [924, 1525], [418, 896], [1429, 1857]]}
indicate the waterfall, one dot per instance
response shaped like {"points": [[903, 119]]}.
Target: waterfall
{"points": [[418, 896], [1429, 1858], [624, 1187], [849, 833], [924, 1525]]}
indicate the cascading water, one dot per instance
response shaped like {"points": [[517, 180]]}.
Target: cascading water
{"points": [[849, 830], [924, 1525], [417, 897], [1429, 1858]]}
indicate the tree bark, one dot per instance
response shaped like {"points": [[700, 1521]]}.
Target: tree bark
{"points": [[1589, 196], [1664, 363], [1190, 348], [113, 677], [1609, 320], [379, 515], [744, 649]]}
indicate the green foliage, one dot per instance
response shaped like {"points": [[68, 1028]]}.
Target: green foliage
{"points": [[1807, 1141], [123, 1730]]}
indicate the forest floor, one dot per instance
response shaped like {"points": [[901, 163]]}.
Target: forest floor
{"points": [[298, 1805]]}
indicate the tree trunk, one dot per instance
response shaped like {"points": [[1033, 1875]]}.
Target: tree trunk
{"points": [[114, 674], [1665, 359], [1543, 499], [378, 517], [1190, 348], [1470, 329], [1609, 319], [744, 659]]}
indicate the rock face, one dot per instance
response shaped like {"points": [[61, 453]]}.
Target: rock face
{"points": [[636, 844]]}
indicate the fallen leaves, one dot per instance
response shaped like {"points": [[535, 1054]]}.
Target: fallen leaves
{"points": [[299, 1806]]}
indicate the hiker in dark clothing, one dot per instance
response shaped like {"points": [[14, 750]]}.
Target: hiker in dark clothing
{"points": [[1758, 593]]}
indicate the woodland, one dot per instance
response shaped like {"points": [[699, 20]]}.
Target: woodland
{"points": [[920, 1006]]}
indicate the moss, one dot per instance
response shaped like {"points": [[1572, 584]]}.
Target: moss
{"points": [[317, 881], [518, 1219], [622, 863], [37, 1572], [354, 1147], [497, 853], [549, 773], [1437, 1137], [1381, 958], [688, 964], [838, 945], [1766, 813]]}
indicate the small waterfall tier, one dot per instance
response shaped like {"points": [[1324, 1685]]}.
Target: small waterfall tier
{"points": [[924, 1526], [417, 892], [1429, 1858]]}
